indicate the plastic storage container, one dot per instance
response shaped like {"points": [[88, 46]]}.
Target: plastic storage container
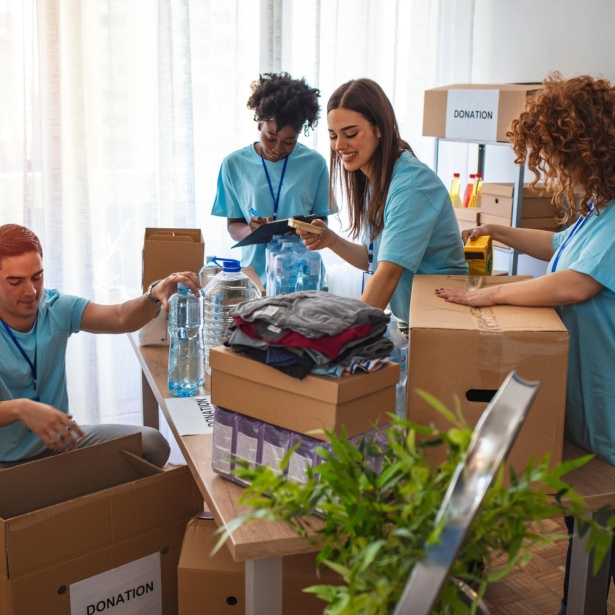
{"points": [[226, 289], [186, 357]]}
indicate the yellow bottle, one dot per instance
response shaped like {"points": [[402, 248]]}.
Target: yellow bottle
{"points": [[477, 191], [455, 191]]}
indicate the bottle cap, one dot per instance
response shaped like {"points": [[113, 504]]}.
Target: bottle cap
{"points": [[229, 265]]}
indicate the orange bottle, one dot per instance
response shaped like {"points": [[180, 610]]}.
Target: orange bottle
{"points": [[467, 195]]}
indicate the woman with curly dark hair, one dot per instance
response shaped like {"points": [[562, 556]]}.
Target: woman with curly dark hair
{"points": [[276, 177], [567, 136]]}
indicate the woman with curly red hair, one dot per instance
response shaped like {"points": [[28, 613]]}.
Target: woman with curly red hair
{"points": [[567, 137]]}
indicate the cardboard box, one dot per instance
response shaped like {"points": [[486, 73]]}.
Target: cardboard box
{"points": [[66, 519], [497, 199], [458, 352], [467, 217], [216, 584], [479, 113], [167, 250], [249, 387], [155, 332]]}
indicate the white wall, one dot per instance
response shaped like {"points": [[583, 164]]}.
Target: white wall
{"points": [[522, 40], [525, 40]]}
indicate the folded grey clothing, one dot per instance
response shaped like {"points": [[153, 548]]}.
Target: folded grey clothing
{"points": [[371, 347], [312, 313]]}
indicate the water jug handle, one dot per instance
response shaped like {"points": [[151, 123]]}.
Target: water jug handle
{"points": [[227, 264]]}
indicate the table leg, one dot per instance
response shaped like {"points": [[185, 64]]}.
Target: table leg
{"points": [[150, 405], [264, 586], [587, 593]]}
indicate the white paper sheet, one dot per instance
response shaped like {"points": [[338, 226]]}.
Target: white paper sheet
{"points": [[191, 415]]}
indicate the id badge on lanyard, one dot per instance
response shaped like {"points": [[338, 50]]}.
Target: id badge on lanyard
{"points": [[367, 275]]}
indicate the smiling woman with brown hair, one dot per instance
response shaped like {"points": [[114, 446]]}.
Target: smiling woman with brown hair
{"points": [[398, 206]]}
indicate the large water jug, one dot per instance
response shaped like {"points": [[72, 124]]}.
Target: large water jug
{"points": [[272, 250], [186, 370], [228, 288]]}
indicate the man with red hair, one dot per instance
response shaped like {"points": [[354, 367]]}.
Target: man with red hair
{"points": [[35, 324]]}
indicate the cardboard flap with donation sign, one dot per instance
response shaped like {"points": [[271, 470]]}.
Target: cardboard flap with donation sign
{"points": [[478, 113], [167, 250], [463, 353], [92, 528]]}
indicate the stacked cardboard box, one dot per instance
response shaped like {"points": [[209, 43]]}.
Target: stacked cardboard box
{"points": [[537, 209], [306, 406], [215, 583]]}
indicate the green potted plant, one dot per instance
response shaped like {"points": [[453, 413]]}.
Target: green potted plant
{"points": [[379, 498]]}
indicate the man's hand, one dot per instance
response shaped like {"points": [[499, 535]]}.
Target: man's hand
{"points": [[57, 430]]}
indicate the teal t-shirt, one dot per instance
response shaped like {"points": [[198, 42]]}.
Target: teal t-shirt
{"points": [[242, 184], [59, 316], [590, 396], [420, 231]]}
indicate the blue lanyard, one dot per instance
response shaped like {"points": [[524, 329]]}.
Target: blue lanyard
{"points": [[276, 199], [577, 225], [25, 356], [370, 251]]}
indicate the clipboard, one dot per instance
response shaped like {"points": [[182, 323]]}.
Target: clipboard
{"points": [[265, 232]]}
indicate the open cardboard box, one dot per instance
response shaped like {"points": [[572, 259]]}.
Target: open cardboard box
{"points": [[167, 250], [70, 523], [215, 584], [461, 353], [249, 387]]}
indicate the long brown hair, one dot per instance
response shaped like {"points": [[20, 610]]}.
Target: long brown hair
{"points": [[567, 136], [367, 98]]}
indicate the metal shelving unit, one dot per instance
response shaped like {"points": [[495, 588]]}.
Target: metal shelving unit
{"points": [[513, 255]]}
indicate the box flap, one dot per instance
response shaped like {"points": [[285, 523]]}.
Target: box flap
{"points": [[428, 311], [508, 189], [48, 481], [174, 234]]}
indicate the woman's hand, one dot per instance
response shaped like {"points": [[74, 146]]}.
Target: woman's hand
{"points": [[256, 221], [474, 233], [312, 241], [476, 298]]}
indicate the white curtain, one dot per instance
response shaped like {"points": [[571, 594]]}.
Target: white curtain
{"points": [[116, 114]]}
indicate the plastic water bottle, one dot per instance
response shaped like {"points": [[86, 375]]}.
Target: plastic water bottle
{"points": [[286, 269], [228, 288], [272, 250], [186, 368], [310, 268], [400, 355], [455, 191]]}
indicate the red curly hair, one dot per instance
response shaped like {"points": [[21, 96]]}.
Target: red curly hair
{"points": [[567, 136]]}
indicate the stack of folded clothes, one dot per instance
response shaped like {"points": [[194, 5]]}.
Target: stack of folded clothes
{"points": [[311, 332]]}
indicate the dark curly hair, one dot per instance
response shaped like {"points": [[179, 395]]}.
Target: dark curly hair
{"points": [[290, 102], [567, 136]]}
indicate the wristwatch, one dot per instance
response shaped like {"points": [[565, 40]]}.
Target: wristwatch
{"points": [[149, 295]]}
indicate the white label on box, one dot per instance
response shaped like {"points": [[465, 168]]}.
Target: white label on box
{"points": [[191, 415], [131, 589], [472, 115]]}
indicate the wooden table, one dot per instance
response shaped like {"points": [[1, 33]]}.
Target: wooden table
{"points": [[261, 545]]}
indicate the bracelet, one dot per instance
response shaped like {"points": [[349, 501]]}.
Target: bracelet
{"points": [[149, 295]]}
